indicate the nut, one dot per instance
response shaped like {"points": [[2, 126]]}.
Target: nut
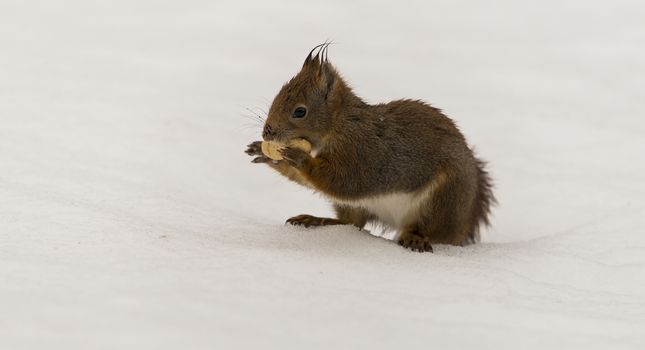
{"points": [[272, 149]]}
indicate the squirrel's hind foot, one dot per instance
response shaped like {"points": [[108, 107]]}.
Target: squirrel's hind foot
{"points": [[311, 221], [415, 242]]}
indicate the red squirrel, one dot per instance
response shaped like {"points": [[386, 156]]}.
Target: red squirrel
{"points": [[403, 164]]}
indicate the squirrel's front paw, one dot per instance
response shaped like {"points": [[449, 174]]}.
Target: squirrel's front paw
{"points": [[255, 149], [296, 157]]}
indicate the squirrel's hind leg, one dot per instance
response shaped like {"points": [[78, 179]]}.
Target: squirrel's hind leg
{"points": [[444, 218]]}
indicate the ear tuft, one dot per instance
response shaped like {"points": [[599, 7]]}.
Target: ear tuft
{"points": [[311, 59], [321, 54]]}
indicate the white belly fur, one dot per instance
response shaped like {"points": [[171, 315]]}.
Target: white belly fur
{"points": [[399, 208], [394, 209]]}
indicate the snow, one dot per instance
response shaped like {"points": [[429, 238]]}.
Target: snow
{"points": [[131, 218]]}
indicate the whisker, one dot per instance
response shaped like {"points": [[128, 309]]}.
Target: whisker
{"points": [[248, 126], [254, 118], [260, 115], [256, 114], [264, 112]]}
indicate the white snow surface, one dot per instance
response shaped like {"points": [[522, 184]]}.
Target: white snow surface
{"points": [[130, 218]]}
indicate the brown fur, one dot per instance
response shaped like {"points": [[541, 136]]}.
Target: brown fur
{"points": [[365, 151]]}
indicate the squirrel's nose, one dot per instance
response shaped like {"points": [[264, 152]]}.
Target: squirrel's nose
{"points": [[268, 134]]}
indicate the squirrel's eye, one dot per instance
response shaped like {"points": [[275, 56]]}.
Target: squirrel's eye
{"points": [[299, 112]]}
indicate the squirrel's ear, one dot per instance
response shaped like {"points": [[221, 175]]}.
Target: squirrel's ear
{"points": [[326, 78]]}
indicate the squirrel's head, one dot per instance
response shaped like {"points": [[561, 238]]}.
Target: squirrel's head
{"points": [[306, 105]]}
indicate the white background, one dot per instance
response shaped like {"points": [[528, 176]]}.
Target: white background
{"points": [[131, 218]]}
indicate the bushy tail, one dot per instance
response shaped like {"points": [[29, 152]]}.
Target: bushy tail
{"points": [[484, 200]]}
